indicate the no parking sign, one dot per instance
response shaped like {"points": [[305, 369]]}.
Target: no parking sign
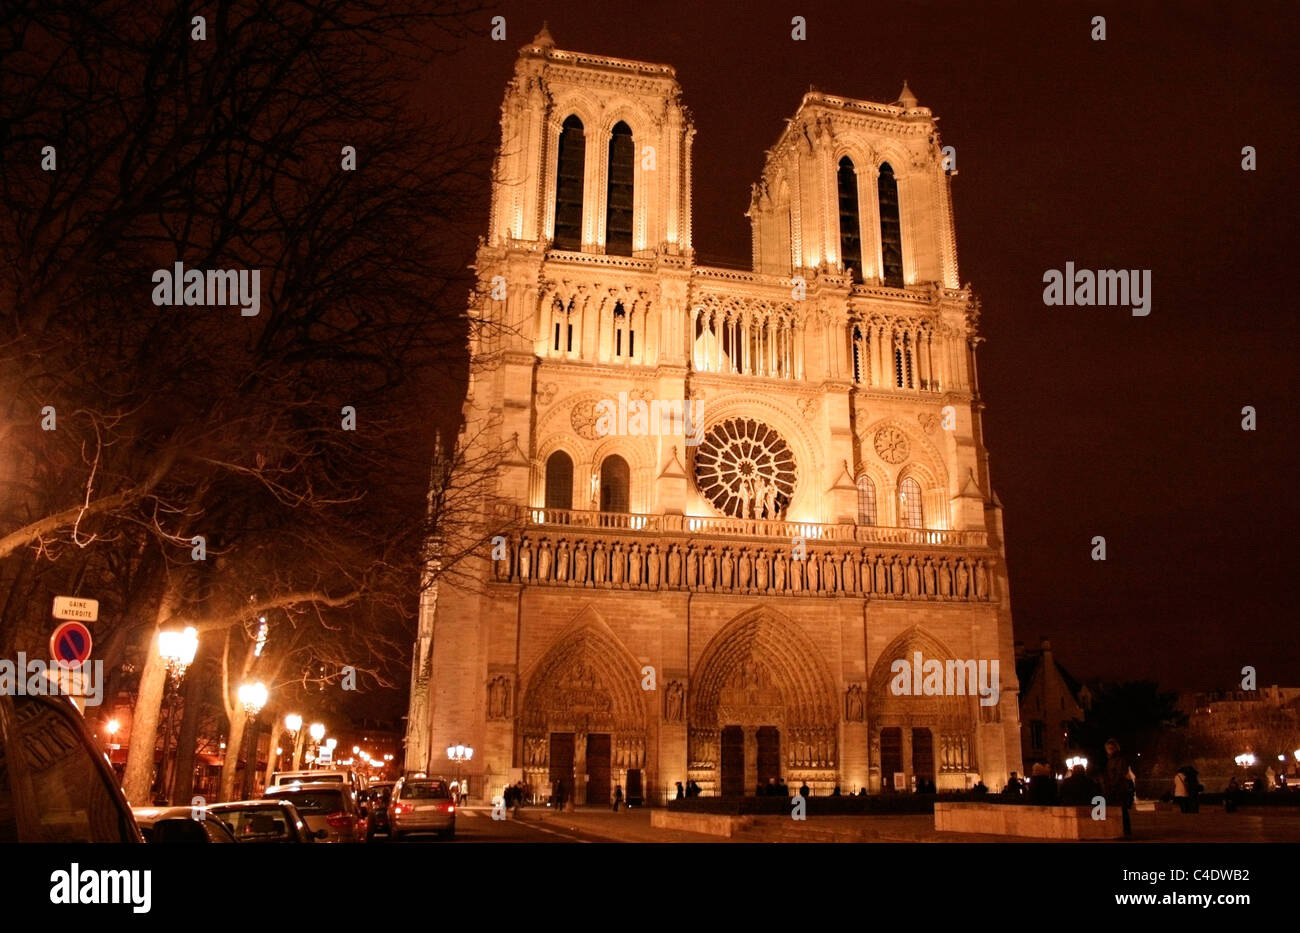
{"points": [[70, 644]]}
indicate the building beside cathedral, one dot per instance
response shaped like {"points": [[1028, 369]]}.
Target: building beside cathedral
{"points": [[719, 593]]}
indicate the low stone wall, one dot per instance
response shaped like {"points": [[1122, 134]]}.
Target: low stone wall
{"points": [[1027, 820], [713, 824]]}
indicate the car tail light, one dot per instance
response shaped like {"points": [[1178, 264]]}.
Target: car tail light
{"points": [[450, 808], [401, 809], [339, 819]]}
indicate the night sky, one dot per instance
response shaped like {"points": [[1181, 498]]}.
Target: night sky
{"points": [[1122, 154]]}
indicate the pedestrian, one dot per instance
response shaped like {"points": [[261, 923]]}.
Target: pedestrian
{"points": [[1116, 784], [836, 791], [681, 792], [1231, 794], [1014, 787], [618, 796], [1042, 786], [1180, 790], [805, 791], [980, 789], [772, 789], [519, 797], [1078, 789]]}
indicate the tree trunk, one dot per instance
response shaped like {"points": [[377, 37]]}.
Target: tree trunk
{"points": [[272, 759], [187, 740], [234, 747], [140, 755]]}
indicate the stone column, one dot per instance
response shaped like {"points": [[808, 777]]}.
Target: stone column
{"points": [[907, 759], [751, 758]]}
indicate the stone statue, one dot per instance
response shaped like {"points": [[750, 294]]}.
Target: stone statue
{"points": [[930, 585], [525, 560], [692, 566], [982, 588], [880, 575], [708, 568], [865, 573], [746, 570], [848, 574], [562, 562], [896, 577], [653, 566], [769, 500], [544, 560], [634, 562], [830, 573], [498, 698], [796, 575], [854, 706], [963, 579], [727, 569], [913, 577], [814, 573], [674, 565], [778, 572], [502, 567], [599, 563], [744, 499], [674, 702], [945, 579], [580, 564], [760, 571], [617, 565]]}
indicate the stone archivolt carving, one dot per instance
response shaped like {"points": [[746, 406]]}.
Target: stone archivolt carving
{"points": [[637, 564]]}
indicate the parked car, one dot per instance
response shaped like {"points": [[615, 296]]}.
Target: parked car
{"points": [[422, 806], [346, 776], [330, 806], [378, 797], [263, 821], [184, 825], [55, 783]]}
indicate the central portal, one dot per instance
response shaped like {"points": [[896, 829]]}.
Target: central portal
{"points": [[769, 754], [751, 755]]}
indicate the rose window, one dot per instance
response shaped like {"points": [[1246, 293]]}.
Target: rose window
{"points": [[745, 469]]}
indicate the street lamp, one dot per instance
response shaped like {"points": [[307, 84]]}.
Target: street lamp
{"points": [[177, 650], [459, 754], [293, 726], [252, 697]]}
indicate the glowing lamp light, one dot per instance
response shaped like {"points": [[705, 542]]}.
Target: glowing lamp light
{"points": [[292, 723], [317, 732], [178, 649], [331, 744], [113, 725], [252, 697]]}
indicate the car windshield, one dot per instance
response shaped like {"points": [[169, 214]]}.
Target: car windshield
{"points": [[255, 823], [314, 802], [424, 791]]}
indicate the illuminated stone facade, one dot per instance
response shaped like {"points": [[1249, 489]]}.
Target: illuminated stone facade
{"points": [[718, 595]]}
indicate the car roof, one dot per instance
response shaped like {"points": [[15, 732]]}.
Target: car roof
{"points": [[265, 804], [154, 814], [306, 785]]}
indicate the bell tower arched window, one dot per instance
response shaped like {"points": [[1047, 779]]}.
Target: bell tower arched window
{"points": [[891, 233], [850, 232], [615, 480], [559, 481], [866, 501], [909, 504], [618, 203], [569, 172]]}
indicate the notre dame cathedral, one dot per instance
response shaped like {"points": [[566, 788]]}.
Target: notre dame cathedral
{"points": [[735, 498]]}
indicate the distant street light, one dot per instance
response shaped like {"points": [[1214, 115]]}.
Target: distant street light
{"points": [[252, 697], [177, 650]]}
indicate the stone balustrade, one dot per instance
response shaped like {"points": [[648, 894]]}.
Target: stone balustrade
{"points": [[607, 550]]}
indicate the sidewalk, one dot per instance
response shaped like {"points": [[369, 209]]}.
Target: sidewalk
{"points": [[1260, 825], [624, 826]]}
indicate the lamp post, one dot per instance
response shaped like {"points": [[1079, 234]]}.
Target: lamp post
{"points": [[177, 650], [293, 726], [459, 754], [252, 697]]}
